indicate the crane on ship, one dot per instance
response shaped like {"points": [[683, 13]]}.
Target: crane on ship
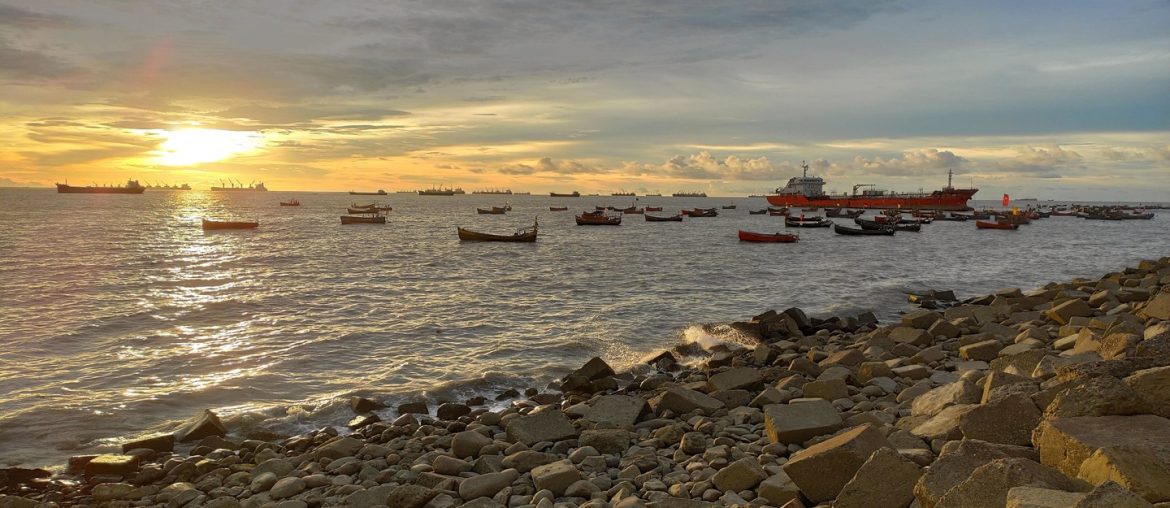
{"points": [[860, 185]]}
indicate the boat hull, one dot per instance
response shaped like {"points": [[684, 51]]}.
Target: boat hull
{"points": [[672, 218], [348, 219], [467, 235], [955, 199], [213, 225], [69, 189], [996, 225], [748, 236], [842, 230]]}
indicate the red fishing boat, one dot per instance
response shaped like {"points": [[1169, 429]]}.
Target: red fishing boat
{"points": [[808, 192], [748, 236], [558, 208], [653, 208], [982, 224], [598, 219]]}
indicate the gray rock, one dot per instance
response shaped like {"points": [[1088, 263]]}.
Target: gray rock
{"points": [[798, 422], [486, 485], [549, 425]]}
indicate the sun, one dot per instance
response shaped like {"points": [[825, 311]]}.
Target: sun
{"points": [[196, 146]]}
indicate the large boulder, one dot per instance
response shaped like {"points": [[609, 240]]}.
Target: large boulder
{"points": [[620, 410], [580, 379], [607, 441], [1158, 307], [1039, 497], [798, 422], [988, 485], [123, 465], [684, 400], [735, 379], [1065, 443], [1136, 469], [778, 489], [956, 463], [1112, 495], [742, 474], [1096, 396], [555, 477], [945, 425], [1009, 420], [550, 425], [933, 402], [886, 480], [1153, 386], [206, 424], [159, 443], [1064, 312], [486, 485], [822, 470]]}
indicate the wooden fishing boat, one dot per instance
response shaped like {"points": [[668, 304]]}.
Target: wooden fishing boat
{"points": [[954, 217], [778, 213], [728, 207], [294, 202], [653, 208], [982, 224], [748, 236], [873, 226], [758, 212], [495, 210], [844, 214], [632, 210], [363, 219], [361, 210], [524, 235], [558, 208], [355, 205], [598, 219], [848, 231], [807, 222], [224, 224], [701, 212], [672, 218]]}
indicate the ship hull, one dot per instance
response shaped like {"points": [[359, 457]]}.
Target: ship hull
{"points": [[236, 189], [941, 200], [66, 189]]}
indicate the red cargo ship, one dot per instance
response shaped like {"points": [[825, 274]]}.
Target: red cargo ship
{"points": [[808, 192]]}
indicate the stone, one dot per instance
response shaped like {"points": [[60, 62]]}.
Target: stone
{"points": [[526, 460], [1136, 469], [123, 465], [339, 447], [1064, 312], [450, 466], [1039, 497], [945, 329], [828, 389], [360, 421], [468, 443], [414, 407], [944, 425], [1009, 420], [986, 350], [871, 370], [158, 442], [684, 400], [1159, 307], [732, 399], [847, 357], [742, 474], [287, 487], [823, 469], [956, 463], [778, 489], [544, 426], [1112, 495], [885, 480], [988, 485], [692, 443], [361, 405], [933, 402], [206, 424], [912, 372], [555, 477], [277, 466], [921, 319], [1065, 443], [734, 379], [1096, 396], [410, 496], [580, 379], [452, 411], [1153, 387], [486, 485], [620, 410], [111, 491], [908, 335], [607, 441], [796, 423]]}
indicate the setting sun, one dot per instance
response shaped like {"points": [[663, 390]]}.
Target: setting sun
{"points": [[195, 146]]}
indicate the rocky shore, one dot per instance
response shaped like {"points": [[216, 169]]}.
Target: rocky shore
{"points": [[1057, 397]]}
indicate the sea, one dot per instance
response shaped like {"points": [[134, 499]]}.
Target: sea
{"points": [[120, 316]]}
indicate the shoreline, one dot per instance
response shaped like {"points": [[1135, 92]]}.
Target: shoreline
{"points": [[952, 403]]}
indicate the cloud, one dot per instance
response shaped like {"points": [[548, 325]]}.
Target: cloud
{"points": [[548, 165], [911, 163], [21, 65], [22, 18], [1040, 162]]}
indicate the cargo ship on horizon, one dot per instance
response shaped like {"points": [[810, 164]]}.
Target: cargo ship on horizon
{"points": [[232, 186], [131, 187], [806, 191]]}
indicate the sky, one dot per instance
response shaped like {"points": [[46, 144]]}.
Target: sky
{"points": [[1056, 100]]}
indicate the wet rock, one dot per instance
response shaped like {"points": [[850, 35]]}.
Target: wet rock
{"points": [[822, 470], [543, 426], [416, 407], [360, 421], [361, 405], [123, 465], [580, 379], [158, 442], [452, 411], [206, 424], [798, 422], [885, 480]]}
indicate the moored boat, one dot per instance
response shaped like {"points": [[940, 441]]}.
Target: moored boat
{"points": [[212, 224], [292, 202], [379, 193], [981, 224], [598, 219], [672, 218], [758, 212], [633, 210], [807, 222], [524, 235], [573, 194], [558, 208], [700, 212], [728, 207], [653, 208], [495, 210], [848, 231], [873, 225], [363, 219], [131, 187], [748, 236]]}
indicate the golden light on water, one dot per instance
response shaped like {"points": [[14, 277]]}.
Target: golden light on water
{"points": [[197, 146]]}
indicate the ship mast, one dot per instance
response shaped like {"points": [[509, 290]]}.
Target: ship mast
{"points": [[805, 168], [950, 175]]}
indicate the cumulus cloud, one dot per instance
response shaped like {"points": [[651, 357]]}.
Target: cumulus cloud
{"points": [[911, 163], [548, 165]]}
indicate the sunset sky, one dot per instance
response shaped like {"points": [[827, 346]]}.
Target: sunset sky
{"points": [[1059, 100]]}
